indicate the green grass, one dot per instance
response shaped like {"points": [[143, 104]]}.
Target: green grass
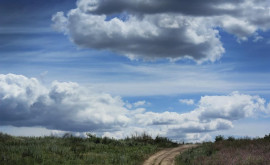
{"points": [[74, 150], [244, 151]]}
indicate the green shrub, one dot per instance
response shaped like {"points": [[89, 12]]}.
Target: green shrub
{"points": [[267, 137], [230, 138], [219, 138], [5, 137]]}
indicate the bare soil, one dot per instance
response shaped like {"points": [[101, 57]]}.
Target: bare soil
{"points": [[167, 156]]}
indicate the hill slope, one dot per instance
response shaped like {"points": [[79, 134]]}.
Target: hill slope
{"points": [[231, 151], [75, 150]]}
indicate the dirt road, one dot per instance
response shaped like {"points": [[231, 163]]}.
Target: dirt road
{"points": [[166, 156]]}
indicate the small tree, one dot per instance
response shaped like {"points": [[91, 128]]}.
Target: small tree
{"points": [[267, 137], [219, 138], [231, 138]]}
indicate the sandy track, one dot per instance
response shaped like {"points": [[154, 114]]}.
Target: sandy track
{"points": [[166, 156]]}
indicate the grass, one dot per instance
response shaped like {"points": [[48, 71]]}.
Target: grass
{"points": [[244, 151], [75, 150]]}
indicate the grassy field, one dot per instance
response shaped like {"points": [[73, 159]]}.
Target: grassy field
{"points": [[74, 150], [244, 151]]}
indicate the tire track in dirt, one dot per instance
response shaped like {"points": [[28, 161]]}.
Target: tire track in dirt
{"points": [[167, 156]]}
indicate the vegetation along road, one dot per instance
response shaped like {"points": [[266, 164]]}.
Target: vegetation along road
{"points": [[167, 156]]}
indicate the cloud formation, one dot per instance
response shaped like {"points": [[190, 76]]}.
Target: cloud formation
{"points": [[201, 8], [232, 107], [170, 29], [64, 106], [67, 106], [187, 101]]}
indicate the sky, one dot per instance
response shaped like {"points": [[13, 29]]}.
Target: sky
{"points": [[187, 70]]}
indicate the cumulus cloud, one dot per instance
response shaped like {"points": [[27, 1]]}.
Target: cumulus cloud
{"points": [[162, 29], [63, 106], [187, 101], [232, 107], [154, 36], [67, 106]]}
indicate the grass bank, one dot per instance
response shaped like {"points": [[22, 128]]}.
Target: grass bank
{"points": [[244, 151], [70, 150]]}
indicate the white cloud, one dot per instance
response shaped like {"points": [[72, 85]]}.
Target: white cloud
{"points": [[137, 104], [154, 36], [187, 101], [241, 28], [232, 107], [257, 38], [162, 30], [60, 22], [64, 106], [67, 106], [141, 103]]}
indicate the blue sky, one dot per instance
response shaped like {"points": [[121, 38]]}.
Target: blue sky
{"points": [[141, 65]]}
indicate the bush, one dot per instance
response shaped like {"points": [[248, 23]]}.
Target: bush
{"points": [[231, 138], [267, 137], [219, 138], [5, 137], [107, 140]]}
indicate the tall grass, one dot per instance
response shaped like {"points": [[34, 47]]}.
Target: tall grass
{"points": [[75, 150], [244, 151]]}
